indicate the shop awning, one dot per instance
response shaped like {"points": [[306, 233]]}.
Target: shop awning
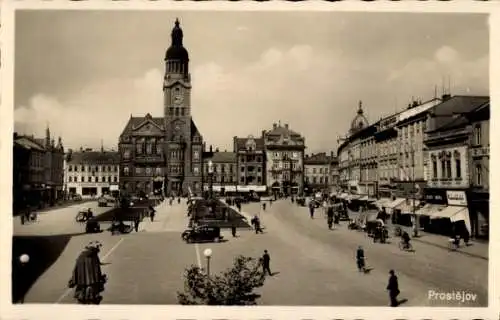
{"points": [[406, 207], [381, 203], [454, 213], [429, 208], [395, 203], [353, 197]]}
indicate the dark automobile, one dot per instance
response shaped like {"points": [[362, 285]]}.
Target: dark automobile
{"points": [[202, 234], [301, 201]]}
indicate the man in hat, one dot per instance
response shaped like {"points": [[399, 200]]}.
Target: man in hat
{"points": [[360, 259], [266, 262], [393, 288]]}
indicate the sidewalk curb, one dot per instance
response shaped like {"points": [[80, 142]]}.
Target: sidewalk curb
{"points": [[445, 247]]}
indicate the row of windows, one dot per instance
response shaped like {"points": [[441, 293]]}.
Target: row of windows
{"points": [[250, 158], [148, 171], [317, 170], [90, 168], [221, 168], [316, 180], [92, 179], [446, 172], [250, 180], [285, 154]]}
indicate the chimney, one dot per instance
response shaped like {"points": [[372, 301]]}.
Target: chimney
{"points": [[286, 126], [275, 125], [210, 150], [446, 97]]}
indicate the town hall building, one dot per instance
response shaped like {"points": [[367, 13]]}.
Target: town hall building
{"points": [[163, 155]]}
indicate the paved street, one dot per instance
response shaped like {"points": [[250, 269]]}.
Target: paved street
{"points": [[313, 265]]}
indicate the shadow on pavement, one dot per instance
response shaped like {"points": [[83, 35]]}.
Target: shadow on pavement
{"points": [[231, 218], [43, 251]]}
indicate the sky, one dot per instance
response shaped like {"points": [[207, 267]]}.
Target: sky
{"points": [[84, 73]]}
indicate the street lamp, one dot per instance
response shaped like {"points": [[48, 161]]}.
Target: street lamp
{"points": [[211, 178], [23, 259], [208, 254]]}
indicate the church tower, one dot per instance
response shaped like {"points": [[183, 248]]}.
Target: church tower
{"points": [[183, 163]]}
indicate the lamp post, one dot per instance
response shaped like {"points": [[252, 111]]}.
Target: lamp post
{"points": [[211, 178], [208, 254], [23, 259]]}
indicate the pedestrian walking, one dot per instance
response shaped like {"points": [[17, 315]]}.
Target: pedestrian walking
{"points": [[233, 231], [311, 209], [393, 288], [266, 263], [264, 206], [360, 259], [137, 220], [152, 213], [256, 223]]}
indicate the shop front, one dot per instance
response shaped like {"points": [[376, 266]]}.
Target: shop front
{"points": [[445, 212], [479, 208]]}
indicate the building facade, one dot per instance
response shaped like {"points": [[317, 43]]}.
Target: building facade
{"points": [[91, 173], [358, 157], [318, 172], [334, 174], [401, 150], [224, 176], [284, 155], [165, 153], [450, 155], [37, 171], [250, 153]]}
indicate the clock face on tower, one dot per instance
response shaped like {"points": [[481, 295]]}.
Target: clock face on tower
{"points": [[178, 98]]}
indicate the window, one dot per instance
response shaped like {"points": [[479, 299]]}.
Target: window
{"points": [[242, 169], [231, 169], [83, 168], [242, 180], [448, 168], [70, 168], [458, 168], [479, 175], [320, 179], [125, 171], [109, 178], [196, 170], [149, 148], [314, 170], [326, 180], [158, 148], [196, 155], [443, 169], [314, 180], [126, 154], [70, 179], [138, 148], [148, 171], [477, 134], [115, 179], [158, 171], [89, 179]]}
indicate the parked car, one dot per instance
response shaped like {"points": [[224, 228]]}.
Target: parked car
{"points": [[102, 202], [202, 234]]}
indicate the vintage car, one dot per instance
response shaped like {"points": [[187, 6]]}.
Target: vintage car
{"points": [[202, 234], [102, 202]]}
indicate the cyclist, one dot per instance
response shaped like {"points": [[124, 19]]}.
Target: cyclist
{"points": [[405, 238], [89, 214]]}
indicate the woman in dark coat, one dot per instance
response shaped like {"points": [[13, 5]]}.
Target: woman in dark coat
{"points": [[88, 279]]}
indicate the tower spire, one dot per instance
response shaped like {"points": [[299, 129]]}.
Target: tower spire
{"points": [[360, 107]]}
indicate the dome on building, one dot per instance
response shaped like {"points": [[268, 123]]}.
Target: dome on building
{"points": [[177, 50], [359, 122]]}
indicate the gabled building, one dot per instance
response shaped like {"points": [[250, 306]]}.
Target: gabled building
{"points": [[451, 143], [37, 171], [284, 154], [164, 154], [251, 169]]}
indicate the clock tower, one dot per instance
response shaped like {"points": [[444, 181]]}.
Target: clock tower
{"points": [[183, 141]]}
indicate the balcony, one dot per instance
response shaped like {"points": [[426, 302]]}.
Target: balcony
{"points": [[149, 158]]}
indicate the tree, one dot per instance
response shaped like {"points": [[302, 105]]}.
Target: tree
{"points": [[235, 286]]}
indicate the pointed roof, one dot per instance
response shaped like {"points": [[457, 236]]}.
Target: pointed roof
{"points": [[242, 142], [95, 157], [135, 122]]}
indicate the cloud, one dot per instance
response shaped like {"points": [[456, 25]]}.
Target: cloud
{"points": [[315, 91], [446, 67], [98, 111]]}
